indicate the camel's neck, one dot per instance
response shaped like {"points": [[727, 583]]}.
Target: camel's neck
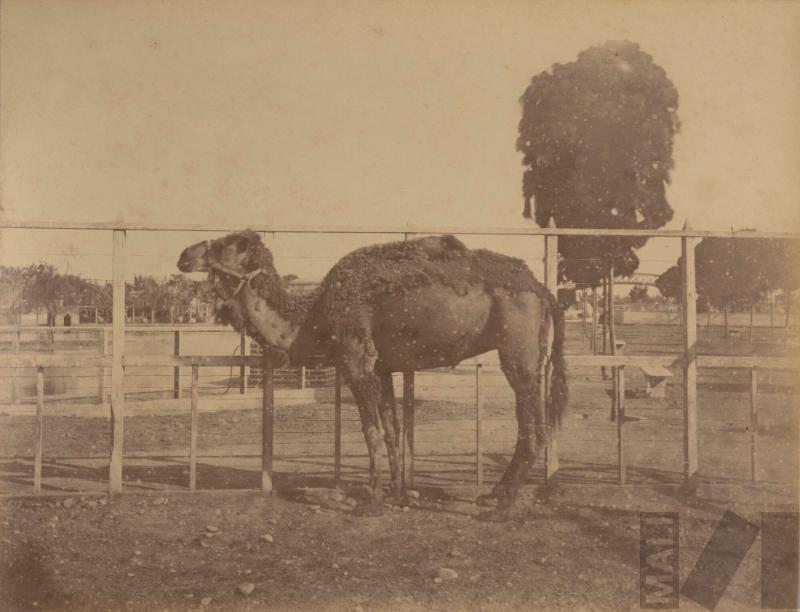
{"points": [[271, 313]]}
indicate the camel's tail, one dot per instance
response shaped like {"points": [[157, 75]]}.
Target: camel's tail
{"points": [[557, 399]]}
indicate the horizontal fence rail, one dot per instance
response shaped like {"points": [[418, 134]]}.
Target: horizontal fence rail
{"points": [[36, 360], [112, 356], [408, 230]]}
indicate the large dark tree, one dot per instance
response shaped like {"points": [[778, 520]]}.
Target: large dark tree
{"points": [[596, 138], [669, 283]]}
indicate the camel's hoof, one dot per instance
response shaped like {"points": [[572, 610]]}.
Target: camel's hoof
{"points": [[494, 516], [396, 499], [369, 509], [486, 500]]}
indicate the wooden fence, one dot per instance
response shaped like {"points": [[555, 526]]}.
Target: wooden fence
{"points": [[689, 361]]}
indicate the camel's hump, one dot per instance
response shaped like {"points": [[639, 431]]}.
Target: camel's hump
{"points": [[441, 244]]}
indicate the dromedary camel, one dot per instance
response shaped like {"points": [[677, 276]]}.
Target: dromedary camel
{"points": [[397, 307]]}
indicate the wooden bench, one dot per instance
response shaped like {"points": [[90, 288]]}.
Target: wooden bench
{"points": [[656, 377]]}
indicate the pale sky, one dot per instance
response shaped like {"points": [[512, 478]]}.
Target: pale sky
{"points": [[360, 113]]}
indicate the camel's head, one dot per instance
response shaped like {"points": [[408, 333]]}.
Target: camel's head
{"points": [[240, 252]]}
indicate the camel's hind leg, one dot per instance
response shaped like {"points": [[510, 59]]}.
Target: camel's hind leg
{"points": [[391, 428], [522, 361], [358, 359]]}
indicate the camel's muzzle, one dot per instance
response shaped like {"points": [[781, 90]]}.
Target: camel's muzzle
{"points": [[193, 258]]}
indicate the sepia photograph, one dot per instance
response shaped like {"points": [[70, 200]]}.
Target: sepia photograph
{"points": [[358, 305]]}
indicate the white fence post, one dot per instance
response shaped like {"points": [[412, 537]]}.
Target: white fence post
{"points": [[337, 428], [176, 372], [267, 423], [102, 351], [37, 453], [16, 340], [689, 312], [243, 369], [408, 429], [754, 424], [193, 428], [117, 369], [478, 427], [551, 282]]}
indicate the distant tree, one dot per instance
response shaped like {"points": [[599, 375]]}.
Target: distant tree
{"points": [[732, 274], [669, 283], [45, 288], [638, 293], [596, 138], [779, 266], [180, 291]]}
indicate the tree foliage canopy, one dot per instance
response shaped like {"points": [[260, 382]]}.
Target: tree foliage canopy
{"points": [[596, 138], [44, 287], [736, 273]]}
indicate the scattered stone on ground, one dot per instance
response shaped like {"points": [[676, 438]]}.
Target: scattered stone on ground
{"points": [[246, 588]]}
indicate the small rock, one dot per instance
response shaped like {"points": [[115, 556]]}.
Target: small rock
{"points": [[437, 580], [335, 566], [412, 494], [205, 601], [267, 537], [358, 609], [406, 508], [68, 503], [456, 553], [445, 573], [103, 501], [313, 507], [246, 588], [137, 552], [212, 529], [247, 572], [272, 521]]}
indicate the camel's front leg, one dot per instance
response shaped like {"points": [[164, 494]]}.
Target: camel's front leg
{"points": [[391, 428], [366, 391]]}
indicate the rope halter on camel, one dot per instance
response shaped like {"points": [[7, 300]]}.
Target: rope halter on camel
{"points": [[244, 279]]}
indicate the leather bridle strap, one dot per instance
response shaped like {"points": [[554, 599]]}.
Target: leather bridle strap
{"points": [[244, 279]]}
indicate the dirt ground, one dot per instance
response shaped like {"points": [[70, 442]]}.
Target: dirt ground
{"points": [[566, 548]]}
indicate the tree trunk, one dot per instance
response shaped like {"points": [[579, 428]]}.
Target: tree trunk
{"points": [[605, 322], [594, 320], [585, 310], [788, 298], [725, 318], [612, 341], [771, 315]]}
